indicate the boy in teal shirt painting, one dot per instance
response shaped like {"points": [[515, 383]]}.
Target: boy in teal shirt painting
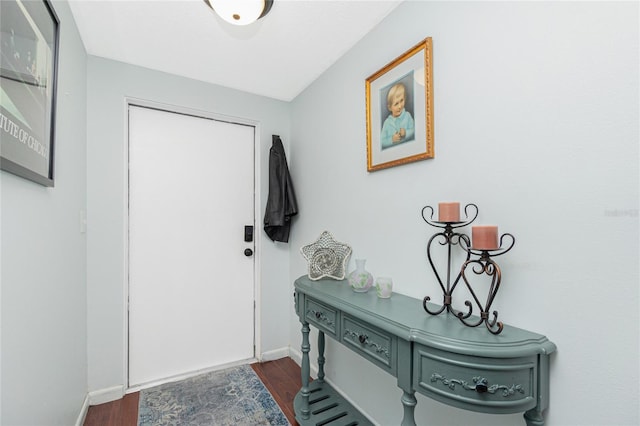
{"points": [[398, 127]]}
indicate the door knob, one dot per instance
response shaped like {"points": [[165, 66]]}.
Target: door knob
{"points": [[248, 252]]}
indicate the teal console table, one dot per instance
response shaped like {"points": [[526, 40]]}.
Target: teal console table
{"points": [[436, 356]]}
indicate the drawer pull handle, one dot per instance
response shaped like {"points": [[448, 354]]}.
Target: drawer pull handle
{"points": [[364, 340], [320, 316], [482, 385]]}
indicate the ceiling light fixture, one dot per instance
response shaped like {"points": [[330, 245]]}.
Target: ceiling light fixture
{"points": [[240, 12]]}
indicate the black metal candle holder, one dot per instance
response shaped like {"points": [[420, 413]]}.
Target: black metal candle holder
{"points": [[450, 239], [484, 264]]}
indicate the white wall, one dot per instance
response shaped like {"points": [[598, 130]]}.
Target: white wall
{"points": [[44, 334], [536, 121], [109, 83]]}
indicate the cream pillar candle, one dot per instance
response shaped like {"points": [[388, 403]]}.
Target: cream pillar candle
{"points": [[449, 212], [484, 237]]}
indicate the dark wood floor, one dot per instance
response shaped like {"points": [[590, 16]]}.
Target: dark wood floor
{"points": [[281, 377]]}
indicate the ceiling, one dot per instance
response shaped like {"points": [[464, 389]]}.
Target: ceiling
{"points": [[277, 57]]}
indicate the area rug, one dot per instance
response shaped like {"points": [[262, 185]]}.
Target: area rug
{"points": [[234, 396]]}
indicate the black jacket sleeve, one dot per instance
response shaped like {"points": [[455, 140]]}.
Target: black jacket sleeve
{"points": [[281, 203]]}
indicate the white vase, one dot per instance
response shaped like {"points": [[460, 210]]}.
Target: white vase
{"points": [[360, 279]]}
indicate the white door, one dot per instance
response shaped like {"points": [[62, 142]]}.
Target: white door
{"points": [[191, 286]]}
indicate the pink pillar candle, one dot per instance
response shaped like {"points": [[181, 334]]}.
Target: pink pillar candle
{"points": [[449, 212], [484, 237]]}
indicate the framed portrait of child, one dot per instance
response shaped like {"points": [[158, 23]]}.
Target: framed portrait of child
{"points": [[399, 108]]}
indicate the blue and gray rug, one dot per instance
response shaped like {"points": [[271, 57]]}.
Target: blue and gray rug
{"points": [[235, 396]]}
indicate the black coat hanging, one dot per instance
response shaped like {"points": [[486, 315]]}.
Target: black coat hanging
{"points": [[281, 204]]}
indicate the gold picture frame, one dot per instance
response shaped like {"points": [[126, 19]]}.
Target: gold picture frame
{"points": [[398, 96]]}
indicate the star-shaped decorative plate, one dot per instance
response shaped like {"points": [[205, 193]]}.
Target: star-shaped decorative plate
{"points": [[327, 257]]}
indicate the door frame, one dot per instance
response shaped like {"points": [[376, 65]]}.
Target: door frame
{"points": [[257, 236]]}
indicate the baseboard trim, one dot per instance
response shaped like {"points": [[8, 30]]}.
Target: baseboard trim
{"points": [[106, 395], [83, 411], [295, 355], [275, 354], [96, 398]]}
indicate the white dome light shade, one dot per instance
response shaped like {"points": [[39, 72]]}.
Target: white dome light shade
{"points": [[238, 12]]}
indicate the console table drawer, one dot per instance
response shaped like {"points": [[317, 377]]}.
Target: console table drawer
{"points": [[496, 385], [321, 316], [370, 342]]}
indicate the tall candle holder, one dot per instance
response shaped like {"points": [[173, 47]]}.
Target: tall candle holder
{"points": [[449, 238], [484, 264]]}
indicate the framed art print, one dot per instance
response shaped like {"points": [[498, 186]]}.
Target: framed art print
{"points": [[399, 108], [28, 68]]}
